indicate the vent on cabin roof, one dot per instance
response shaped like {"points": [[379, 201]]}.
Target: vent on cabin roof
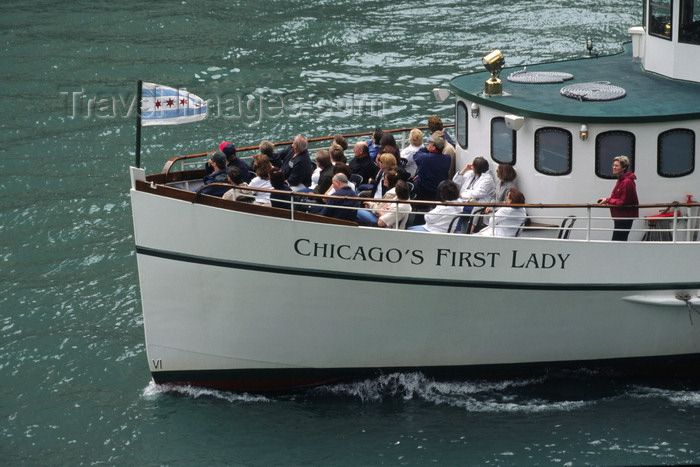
{"points": [[595, 91], [539, 77]]}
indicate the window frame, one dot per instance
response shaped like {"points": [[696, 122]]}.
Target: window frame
{"points": [[569, 156], [598, 161], [654, 7], [659, 152], [462, 142], [514, 142]]}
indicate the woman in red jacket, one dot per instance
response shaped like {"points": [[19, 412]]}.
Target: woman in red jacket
{"points": [[624, 194]]}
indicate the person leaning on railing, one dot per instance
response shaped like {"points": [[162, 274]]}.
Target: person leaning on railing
{"points": [[623, 199]]}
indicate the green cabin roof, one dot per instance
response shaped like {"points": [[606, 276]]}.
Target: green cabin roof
{"points": [[649, 97]]}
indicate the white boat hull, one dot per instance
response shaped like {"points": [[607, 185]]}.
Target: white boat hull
{"points": [[249, 302]]}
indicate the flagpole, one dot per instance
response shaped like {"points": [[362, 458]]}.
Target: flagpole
{"points": [[138, 124]]}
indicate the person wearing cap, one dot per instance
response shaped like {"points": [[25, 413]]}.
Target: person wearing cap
{"points": [[335, 206], [217, 162], [234, 161], [433, 168]]}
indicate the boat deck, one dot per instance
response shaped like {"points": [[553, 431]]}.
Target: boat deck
{"points": [[649, 97]]}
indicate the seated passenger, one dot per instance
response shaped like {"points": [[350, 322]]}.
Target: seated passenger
{"points": [[507, 220], [341, 141], [340, 168], [373, 143], [369, 215], [440, 217], [415, 139], [296, 164], [388, 144], [362, 163], [234, 161], [236, 193], [433, 167], [267, 148], [279, 200], [262, 169], [337, 154], [475, 182], [325, 174], [386, 162], [217, 162], [335, 206], [386, 215]]}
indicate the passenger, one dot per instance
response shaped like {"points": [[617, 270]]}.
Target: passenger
{"points": [[262, 169], [362, 163], [217, 162], [450, 151], [341, 141], [386, 162], [392, 214], [415, 139], [234, 161], [279, 200], [433, 167], [369, 216], [440, 217], [373, 144], [267, 148], [435, 124], [475, 182], [340, 168], [236, 193], [624, 193], [325, 179], [507, 221], [337, 154], [296, 164], [387, 144], [334, 206], [505, 180]]}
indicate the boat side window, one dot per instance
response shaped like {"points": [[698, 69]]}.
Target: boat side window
{"points": [[553, 151], [503, 143], [609, 145], [660, 18], [689, 30], [461, 124], [676, 153]]}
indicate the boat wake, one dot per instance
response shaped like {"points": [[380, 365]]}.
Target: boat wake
{"points": [[543, 394]]}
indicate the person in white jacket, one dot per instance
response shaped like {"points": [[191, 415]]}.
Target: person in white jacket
{"points": [[440, 217], [507, 220], [476, 182]]}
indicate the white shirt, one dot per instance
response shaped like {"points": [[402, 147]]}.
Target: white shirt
{"points": [[408, 153], [506, 222], [481, 188], [439, 218], [260, 197]]}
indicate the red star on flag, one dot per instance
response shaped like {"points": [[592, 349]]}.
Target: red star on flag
{"points": [[182, 101], [170, 102], [157, 104]]}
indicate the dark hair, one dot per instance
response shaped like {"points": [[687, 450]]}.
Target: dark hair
{"points": [[388, 139], [481, 165], [392, 177], [402, 190], [506, 172], [448, 191], [234, 173], [403, 173], [341, 141], [276, 178], [262, 166], [342, 167], [377, 135], [434, 124], [516, 196]]}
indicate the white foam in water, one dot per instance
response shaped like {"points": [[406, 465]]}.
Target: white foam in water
{"points": [[481, 396], [674, 396], [154, 390]]}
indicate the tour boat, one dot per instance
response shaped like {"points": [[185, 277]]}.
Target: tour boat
{"points": [[248, 297]]}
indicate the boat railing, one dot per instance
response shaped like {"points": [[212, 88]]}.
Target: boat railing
{"points": [[672, 222], [196, 161]]}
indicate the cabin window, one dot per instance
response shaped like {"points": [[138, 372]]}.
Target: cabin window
{"points": [[660, 23], [553, 151], [609, 145], [461, 124], [689, 31], [676, 153], [502, 142]]}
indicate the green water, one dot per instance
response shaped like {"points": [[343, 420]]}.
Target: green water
{"points": [[75, 388]]}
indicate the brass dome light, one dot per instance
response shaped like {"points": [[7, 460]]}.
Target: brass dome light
{"points": [[493, 62]]}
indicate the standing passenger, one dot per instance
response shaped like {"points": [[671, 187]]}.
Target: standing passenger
{"points": [[624, 194]]}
